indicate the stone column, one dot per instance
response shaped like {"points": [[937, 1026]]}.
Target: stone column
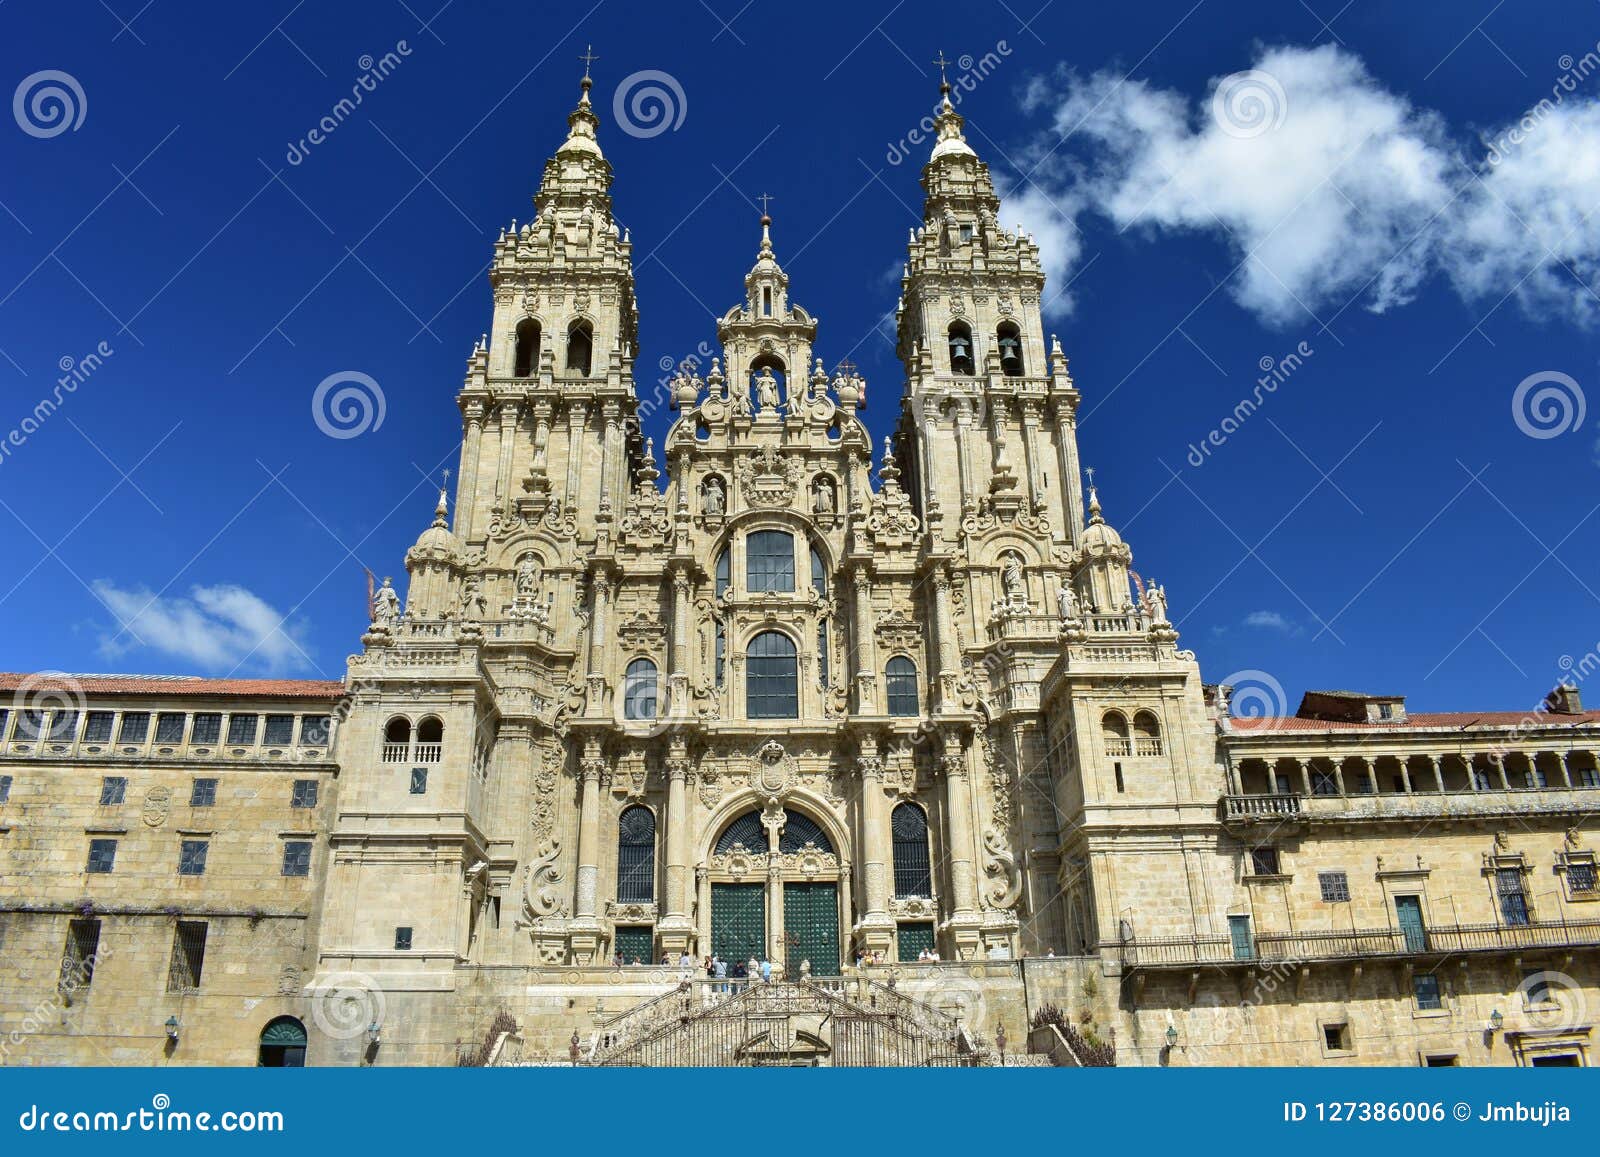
{"points": [[611, 412], [1071, 477], [1497, 764], [467, 480], [864, 644], [577, 423], [541, 436], [964, 415], [596, 702], [1030, 451], [678, 678], [677, 930], [964, 921], [1405, 773], [875, 928], [510, 412], [949, 665], [585, 928]]}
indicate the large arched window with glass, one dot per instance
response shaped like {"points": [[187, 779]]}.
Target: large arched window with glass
{"points": [[772, 678], [769, 561], [636, 856], [527, 348], [900, 681], [912, 874], [639, 690]]}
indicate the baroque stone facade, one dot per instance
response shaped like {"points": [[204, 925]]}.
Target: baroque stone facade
{"points": [[741, 696]]}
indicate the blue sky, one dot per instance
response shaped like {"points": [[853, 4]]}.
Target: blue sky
{"points": [[1384, 520]]}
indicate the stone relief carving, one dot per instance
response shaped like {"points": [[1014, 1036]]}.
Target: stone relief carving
{"points": [[541, 896], [1004, 885]]}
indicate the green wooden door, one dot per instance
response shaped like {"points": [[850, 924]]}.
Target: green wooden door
{"points": [[811, 924], [1244, 946], [913, 939], [636, 943], [739, 921], [1408, 910]]}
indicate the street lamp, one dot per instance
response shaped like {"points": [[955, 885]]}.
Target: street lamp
{"points": [[1496, 1020], [1172, 1036], [172, 1029], [373, 1035]]}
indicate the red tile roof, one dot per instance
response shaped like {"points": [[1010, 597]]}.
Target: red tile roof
{"points": [[1417, 721], [160, 685]]}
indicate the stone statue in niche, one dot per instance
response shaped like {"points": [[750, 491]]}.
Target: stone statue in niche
{"points": [[823, 497], [1067, 601], [386, 605], [528, 575], [473, 604], [1012, 580], [766, 390], [714, 498]]}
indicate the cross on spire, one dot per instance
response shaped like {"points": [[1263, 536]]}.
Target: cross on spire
{"points": [[588, 58], [1089, 472], [764, 198], [846, 367], [944, 85]]}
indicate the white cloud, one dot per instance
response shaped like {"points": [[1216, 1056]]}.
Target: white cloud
{"points": [[1324, 185], [1051, 219], [1270, 621], [217, 628]]}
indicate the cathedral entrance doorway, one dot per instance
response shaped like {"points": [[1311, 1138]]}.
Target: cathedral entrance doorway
{"points": [[811, 926], [738, 921]]}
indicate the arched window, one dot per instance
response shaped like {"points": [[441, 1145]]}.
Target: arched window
{"points": [[397, 740], [724, 573], [639, 690], [961, 348], [1146, 733], [527, 358], [636, 856], [283, 1044], [1114, 728], [750, 833], [747, 832], [772, 680], [1009, 338], [580, 348], [912, 875], [769, 561], [722, 650], [900, 681], [766, 301], [819, 574], [430, 740], [799, 830]]}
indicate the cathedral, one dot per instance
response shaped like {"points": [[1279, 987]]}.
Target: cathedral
{"points": [[894, 718]]}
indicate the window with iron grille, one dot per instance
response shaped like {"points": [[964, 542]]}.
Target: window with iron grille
{"points": [[97, 727], [203, 793], [78, 957], [900, 683], [113, 790], [102, 857], [1264, 861], [297, 857], [1513, 897], [769, 560], [636, 856], [800, 831], [192, 857], [908, 825], [772, 689], [1335, 886], [402, 939], [242, 729], [304, 794], [1426, 987], [188, 956], [419, 781], [169, 727], [207, 727], [314, 730], [135, 727], [1580, 876], [279, 731], [5, 788], [63, 725], [1324, 783]]}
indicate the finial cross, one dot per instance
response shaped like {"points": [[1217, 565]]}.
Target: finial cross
{"points": [[942, 62], [1089, 471], [588, 58], [764, 198], [846, 367]]}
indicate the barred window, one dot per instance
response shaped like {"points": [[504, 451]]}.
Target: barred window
{"points": [[102, 857], [135, 727], [188, 956], [1335, 886], [1264, 861], [1426, 987], [1580, 877], [769, 560], [772, 689], [279, 730], [169, 727], [297, 858], [113, 790], [1324, 783], [97, 727], [1513, 897], [912, 874], [207, 727], [30, 724], [203, 793], [192, 857], [242, 729], [314, 730], [63, 725], [78, 957], [636, 856], [900, 681], [304, 794]]}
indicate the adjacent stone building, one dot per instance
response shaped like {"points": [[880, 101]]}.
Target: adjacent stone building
{"points": [[768, 691]]}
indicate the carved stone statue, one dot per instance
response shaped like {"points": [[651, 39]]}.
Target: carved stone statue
{"points": [[1011, 578], [823, 500], [1067, 601], [766, 390], [528, 577], [715, 496], [386, 606], [473, 604], [1155, 602]]}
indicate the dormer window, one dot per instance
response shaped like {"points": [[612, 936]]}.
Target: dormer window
{"points": [[961, 348]]}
